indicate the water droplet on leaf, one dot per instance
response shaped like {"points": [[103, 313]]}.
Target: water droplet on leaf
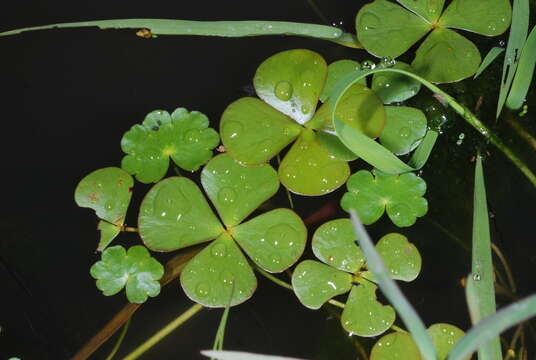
{"points": [[283, 90]]}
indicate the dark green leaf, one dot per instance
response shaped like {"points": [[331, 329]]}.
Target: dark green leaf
{"points": [[395, 87], [405, 127]]}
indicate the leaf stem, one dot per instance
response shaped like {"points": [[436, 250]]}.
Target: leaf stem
{"points": [[162, 333], [119, 340], [506, 267]]}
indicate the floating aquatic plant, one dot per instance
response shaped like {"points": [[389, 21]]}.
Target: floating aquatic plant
{"points": [[134, 269], [373, 193], [343, 269], [290, 84], [182, 136], [388, 29]]}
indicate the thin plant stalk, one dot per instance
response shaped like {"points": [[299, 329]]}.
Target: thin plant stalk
{"points": [[165, 331], [119, 340]]}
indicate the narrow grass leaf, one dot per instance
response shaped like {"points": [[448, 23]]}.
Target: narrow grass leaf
{"points": [[516, 41], [492, 55], [392, 291], [237, 355], [482, 263], [206, 28], [524, 73], [492, 326]]}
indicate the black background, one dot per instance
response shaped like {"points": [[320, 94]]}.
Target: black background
{"points": [[69, 95]]}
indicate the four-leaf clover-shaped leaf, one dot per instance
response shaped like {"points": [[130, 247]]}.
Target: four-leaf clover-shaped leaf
{"points": [[387, 29], [289, 84], [372, 193], [343, 269], [400, 345], [182, 136], [175, 214], [108, 192], [135, 269]]}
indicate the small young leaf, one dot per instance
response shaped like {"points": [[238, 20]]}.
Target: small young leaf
{"points": [[253, 132], [370, 194], [393, 87], [308, 169], [184, 136], [336, 71], [524, 73], [401, 257], [274, 240], [108, 232], [315, 283], [363, 315], [334, 244], [236, 190], [291, 82], [405, 127], [108, 192], [135, 269], [218, 271], [174, 214], [395, 346]]}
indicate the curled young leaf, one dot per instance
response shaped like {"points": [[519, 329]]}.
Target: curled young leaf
{"points": [[135, 269], [371, 193], [182, 136]]}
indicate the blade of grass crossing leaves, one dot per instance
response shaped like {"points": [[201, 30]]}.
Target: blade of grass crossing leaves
{"points": [[492, 55], [516, 40], [237, 355], [482, 264], [524, 73], [393, 292], [205, 28], [493, 326]]}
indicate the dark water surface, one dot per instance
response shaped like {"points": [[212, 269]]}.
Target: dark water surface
{"points": [[70, 95]]}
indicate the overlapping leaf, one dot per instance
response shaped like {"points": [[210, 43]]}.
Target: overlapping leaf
{"points": [[290, 83], [343, 270], [182, 136], [373, 193], [388, 29], [134, 269]]}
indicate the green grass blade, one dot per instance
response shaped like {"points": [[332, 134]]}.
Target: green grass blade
{"points": [[237, 355], [492, 55], [493, 326], [393, 293], [524, 73], [516, 41], [206, 28], [482, 264]]}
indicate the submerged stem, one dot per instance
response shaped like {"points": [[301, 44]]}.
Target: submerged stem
{"points": [[119, 340]]}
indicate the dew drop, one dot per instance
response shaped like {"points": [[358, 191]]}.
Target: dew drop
{"points": [[281, 236], [290, 172], [227, 195], [192, 136], [227, 277], [276, 259], [368, 65], [370, 21], [265, 146], [388, 62], [476, 277], [218, 250], [283, 90], [232, 129], [109, 205], [202, 289], [404, 132], [492, 26], [305, 109]]}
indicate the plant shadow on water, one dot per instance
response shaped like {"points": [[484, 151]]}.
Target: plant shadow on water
{"points": [[72, 94]]}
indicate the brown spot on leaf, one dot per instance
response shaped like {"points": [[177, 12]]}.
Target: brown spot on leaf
{"points": [[144, 33]]}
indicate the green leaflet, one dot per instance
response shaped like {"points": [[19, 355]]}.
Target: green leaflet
{"points": [[206, 28], [482, 264], [524, 73]]}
